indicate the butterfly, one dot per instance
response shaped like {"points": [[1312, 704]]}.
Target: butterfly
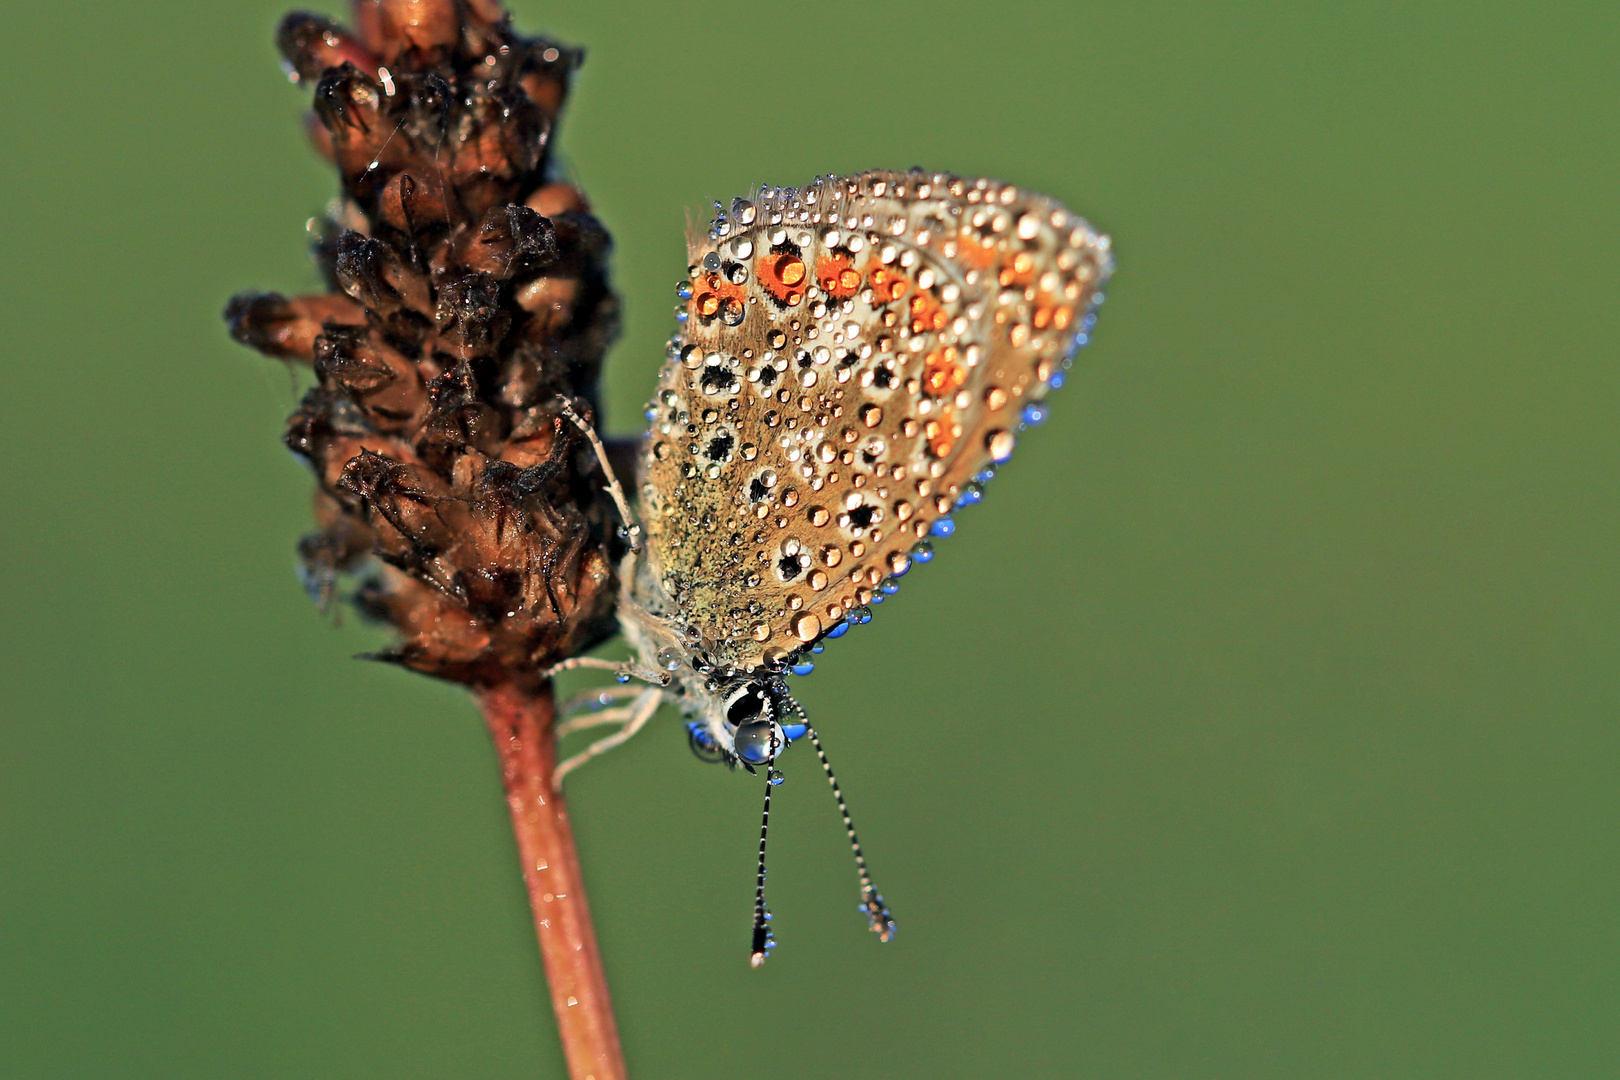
{"points": [[854, 361]]}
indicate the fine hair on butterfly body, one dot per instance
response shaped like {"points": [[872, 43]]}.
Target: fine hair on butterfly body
{"points": [[855, 359]]}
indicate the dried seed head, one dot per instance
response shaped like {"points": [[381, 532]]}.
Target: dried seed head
{"points": [[469, 291]]}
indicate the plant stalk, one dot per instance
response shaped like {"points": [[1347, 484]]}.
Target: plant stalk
{"points": [[520, 723]]}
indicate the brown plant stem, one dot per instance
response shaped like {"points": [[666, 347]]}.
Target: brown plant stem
{"points": [[520, 720]]}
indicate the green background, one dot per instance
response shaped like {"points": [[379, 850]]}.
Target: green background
{"points": [[1261, 723]]}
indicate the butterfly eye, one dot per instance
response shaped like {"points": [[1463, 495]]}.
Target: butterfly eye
{"points": [[744, 710]]}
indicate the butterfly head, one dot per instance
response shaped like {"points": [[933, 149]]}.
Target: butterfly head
{"points": [[750, 719], [754, 709]]}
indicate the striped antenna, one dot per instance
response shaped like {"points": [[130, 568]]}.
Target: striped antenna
{"points": [[872, 905], [763, 942]]}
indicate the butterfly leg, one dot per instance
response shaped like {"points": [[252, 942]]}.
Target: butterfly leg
{"points": [[642, 711], [589, 708], [620, 668], [621, 715], [596, 698]]}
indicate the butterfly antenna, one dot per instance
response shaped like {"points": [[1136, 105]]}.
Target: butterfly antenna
{"points": [[632, 530], [872, 905], [763, 942]]}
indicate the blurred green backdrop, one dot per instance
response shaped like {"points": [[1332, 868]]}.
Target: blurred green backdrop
{"points": [[1261, 724]]}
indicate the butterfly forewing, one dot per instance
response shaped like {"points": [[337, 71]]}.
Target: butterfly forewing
{"points": [[852, 355]]}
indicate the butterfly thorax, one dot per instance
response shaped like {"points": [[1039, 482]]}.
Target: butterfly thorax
{"points": [[739, 710]]}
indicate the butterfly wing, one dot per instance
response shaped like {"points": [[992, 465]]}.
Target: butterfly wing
{"points": [[853, 354]]}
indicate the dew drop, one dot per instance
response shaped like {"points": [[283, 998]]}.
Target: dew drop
{"points": [[1000, 445], [807, 626]]}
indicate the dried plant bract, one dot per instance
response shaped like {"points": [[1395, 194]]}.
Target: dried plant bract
{"points": [[468, 291]]}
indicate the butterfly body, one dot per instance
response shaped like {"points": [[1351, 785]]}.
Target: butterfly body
{"points": [[720, 698], [855, 358]]}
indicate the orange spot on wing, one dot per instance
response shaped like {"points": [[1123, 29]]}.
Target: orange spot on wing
{"points": [[978, 254], [942, 372], [714, 294], [926, 314], [836, 274], [1018, 271], [941, 435], [887, 285], [782, 273]]}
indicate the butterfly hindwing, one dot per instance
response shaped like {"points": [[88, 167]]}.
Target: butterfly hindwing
{"points": [[852, 355]]}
